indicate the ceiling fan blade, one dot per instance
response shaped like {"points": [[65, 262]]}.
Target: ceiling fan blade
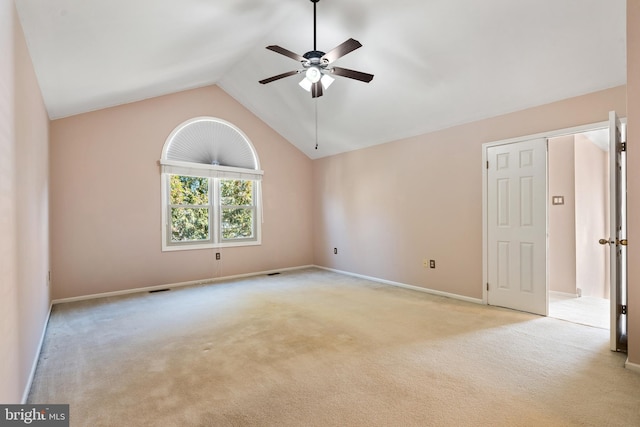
{"points": [[316, 90], [341, 50], [278, 77], [286, 52], [352, 74]]}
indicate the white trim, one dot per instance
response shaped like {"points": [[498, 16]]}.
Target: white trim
{"points": [[175, 167], [550, 134], [34, 365], [239, 276], [164, 211], [558, 132], [403, 285], [485, 225], [563, 294], [175, 285], [634, 367], [220, 245]]}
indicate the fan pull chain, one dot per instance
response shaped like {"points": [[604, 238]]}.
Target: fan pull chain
{"points": [[316, 107]]}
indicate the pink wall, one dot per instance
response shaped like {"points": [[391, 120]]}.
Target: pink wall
{"points": [[633, 176], [105, 205], [9, 345], [562, 218], [388, 207], [24, 199], [591, 196]]}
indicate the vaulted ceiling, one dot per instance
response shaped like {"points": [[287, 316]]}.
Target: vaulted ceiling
{"points": [[437, 63]]}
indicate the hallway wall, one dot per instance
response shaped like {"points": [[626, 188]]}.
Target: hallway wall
{"points": [[591, 204], [562, 218]]}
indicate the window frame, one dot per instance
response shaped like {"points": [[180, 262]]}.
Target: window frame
{"points": [[212, 148], [170, 207], [217, 183], [215, 216]]}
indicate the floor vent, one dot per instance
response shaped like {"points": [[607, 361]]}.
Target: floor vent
{"points": [[159, 290], [273, 274]]}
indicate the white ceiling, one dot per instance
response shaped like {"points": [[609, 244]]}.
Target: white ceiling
{"points": [[599, 137], [437, 63]]}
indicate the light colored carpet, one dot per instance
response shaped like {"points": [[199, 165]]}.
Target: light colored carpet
{"points": [[316, 348], [585, 310]]}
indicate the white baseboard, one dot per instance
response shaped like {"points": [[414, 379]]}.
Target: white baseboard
{"points": [[34, 365], [632, 366], [404, 285], [174, 285], [563, 294]]}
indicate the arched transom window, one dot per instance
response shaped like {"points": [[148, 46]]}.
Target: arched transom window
{"points": [[210, 187]]}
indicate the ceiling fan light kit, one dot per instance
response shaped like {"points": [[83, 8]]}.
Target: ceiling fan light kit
{"points": [[313, 74], [316, 65]]}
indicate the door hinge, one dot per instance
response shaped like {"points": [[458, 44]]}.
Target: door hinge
{"points": [[487, 164], [487, 285], [623, 309], [623, 146]]}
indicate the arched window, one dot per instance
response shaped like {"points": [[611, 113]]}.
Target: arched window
{"points": [[210, 187]]}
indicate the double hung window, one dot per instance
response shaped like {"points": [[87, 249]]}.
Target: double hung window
{"points": [[211, 210]]}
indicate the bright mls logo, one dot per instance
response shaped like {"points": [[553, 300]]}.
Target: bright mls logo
{"points": [[34, 415]]}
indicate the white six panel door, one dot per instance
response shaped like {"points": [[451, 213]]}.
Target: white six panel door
{"points": [[517, 226]]}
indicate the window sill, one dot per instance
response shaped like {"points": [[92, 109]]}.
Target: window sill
{"points": [[196, 246]]}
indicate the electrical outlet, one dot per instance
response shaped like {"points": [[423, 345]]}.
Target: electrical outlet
{"points": [[432, 263], [335, 251], [217, 256]]}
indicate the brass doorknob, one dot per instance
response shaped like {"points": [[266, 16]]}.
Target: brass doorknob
{"points": [[603, 241]]}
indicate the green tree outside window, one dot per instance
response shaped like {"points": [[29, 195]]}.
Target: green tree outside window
{"points": [[189, 201], [236, 198], [191, 208]]}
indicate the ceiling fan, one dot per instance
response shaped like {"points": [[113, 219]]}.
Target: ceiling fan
{"points": [[316, 65]]}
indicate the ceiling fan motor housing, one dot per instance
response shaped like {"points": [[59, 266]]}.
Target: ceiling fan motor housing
{"points": [[314, 54], [314, 57]]}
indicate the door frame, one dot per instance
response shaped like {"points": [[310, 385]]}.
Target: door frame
{"points": [[485, 229], [618, 219]]}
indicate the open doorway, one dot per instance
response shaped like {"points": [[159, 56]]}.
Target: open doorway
{"points": [[518, 269], [579, 278]]}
